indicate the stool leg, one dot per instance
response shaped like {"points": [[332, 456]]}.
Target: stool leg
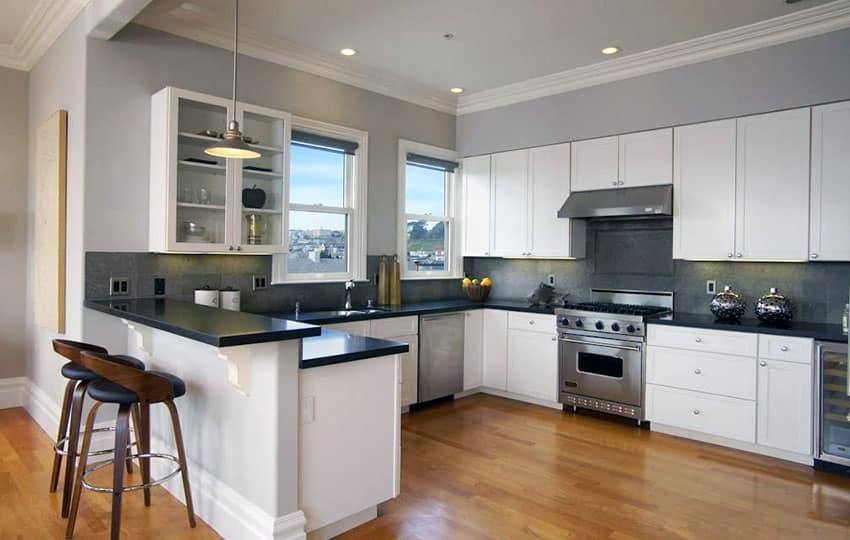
{"points": [[181, 454], [142, 422], [73, 437], [122, 436], [134, 416], [62, 433], [84, 454]]}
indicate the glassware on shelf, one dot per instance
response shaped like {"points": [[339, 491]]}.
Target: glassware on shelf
{"points": [[204, 196], [257, 228], [187, 195]]}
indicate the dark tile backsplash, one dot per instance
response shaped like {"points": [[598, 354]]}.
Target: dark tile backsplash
{"points": [[185, 273], [635, 254], [629, 254]]}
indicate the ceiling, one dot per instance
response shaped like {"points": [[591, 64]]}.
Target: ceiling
{"points": [[496, 42], [29, 27]]}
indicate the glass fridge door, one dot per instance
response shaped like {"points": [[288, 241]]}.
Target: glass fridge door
{"points": [[835, 405]]}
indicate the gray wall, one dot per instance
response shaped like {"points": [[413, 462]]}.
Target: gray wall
{"points": [[637, 255], [13, 220], [795, 74], [124, 72]]}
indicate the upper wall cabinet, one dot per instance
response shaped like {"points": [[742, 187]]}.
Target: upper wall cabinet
{"points": [[511, 203], [196, 199], [742, 188], [632, 160], [704, 191], [772, 192], [830, 193], [476, 206]]}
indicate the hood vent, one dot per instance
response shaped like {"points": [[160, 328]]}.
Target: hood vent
{"points": [[649, 201]]}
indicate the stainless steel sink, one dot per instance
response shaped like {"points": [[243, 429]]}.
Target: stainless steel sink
{"points": [[341, 313]]}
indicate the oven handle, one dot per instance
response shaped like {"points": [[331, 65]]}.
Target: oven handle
{"points": [[608, 345]]}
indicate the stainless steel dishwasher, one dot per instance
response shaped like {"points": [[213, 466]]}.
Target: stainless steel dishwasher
{"points": [[440, 355]]}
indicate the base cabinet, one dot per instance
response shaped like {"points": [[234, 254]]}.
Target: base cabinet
{"points": [[495, 349], [533, 364], [409, 371], [785, 406], [473, 333]]}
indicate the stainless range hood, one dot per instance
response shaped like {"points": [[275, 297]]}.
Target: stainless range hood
{"points": [[649, 201]]}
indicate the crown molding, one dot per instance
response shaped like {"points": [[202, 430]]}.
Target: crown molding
{"points": [[45, 23], [291, 55], [800, 24]]}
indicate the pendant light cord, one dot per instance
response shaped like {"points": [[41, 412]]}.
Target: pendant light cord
{"points": [[235, 51]]}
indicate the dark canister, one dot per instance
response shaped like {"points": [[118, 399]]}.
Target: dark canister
{"points": [[774, 307], [728, 305]]}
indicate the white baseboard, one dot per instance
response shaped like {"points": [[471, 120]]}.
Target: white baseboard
{"points": [[12, 392], [230, 514], [335, 529], [519, 397], [731, 443]]}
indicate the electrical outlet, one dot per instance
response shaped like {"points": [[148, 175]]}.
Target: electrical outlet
{"points": [[308, 409], [119, 286], [159, 286], [711, 286], [260, 282], [550, 279]]}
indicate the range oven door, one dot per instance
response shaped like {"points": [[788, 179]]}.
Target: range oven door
{"points": [[600, 368]]}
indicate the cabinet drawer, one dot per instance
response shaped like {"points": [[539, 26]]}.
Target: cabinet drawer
{"points": [[733, 376], [697, 339], [715, 415], [394, 327], [799, 350], [355, 328], [532, 322]]}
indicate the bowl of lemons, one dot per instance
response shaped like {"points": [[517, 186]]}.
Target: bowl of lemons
{"points": [[477, 290]]}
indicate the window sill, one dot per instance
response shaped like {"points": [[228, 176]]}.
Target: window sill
{"points": [[317, 281], [427, 278]]}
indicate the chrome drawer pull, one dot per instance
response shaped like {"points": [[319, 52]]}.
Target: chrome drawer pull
{"points": [[698, 340], [762, 363], [697, 371], [784, 348], [696, 411]]}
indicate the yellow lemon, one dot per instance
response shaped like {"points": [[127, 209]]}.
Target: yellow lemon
{"points": [[486, 282], [467, 282]]}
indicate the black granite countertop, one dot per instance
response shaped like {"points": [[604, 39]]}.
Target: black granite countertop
{"points": [[212, 326], [334, 347], [817, 331], [423, 308]]}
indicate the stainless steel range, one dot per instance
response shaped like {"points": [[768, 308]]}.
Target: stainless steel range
{"points": [[602, 349]]}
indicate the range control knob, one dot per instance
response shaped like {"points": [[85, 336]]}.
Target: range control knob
{"points": [[599, 325], [564, 321], [630, 328], [615, 327], [579, 323]]}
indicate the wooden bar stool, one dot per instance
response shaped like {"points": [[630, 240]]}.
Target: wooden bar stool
{"points": [[70, 418], [127, 387]]}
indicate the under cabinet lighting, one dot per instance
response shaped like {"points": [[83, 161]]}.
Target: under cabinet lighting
{"points": [[348, 51], [610, 50], [456, 90]]}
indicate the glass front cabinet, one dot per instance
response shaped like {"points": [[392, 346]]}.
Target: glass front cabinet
{"points": [[200, 203]]}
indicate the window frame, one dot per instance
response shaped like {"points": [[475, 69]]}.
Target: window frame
{"points": [[354, 207], [454, 256]]}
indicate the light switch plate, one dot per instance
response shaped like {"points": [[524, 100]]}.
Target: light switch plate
{"points": [[260, 282], [550, 279], [711, 286]]}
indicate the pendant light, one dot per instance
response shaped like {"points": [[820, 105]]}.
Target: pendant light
{"points": [[233, 146]]}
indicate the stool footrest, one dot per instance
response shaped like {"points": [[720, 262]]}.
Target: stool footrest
{"points": [[59, 447], [135, 487]]}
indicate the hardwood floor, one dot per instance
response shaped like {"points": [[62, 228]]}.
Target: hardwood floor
{"points": [[28, 511], [485, 467]]}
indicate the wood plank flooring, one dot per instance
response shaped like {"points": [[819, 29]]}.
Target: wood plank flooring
{"points": [[484, 467], [28, 511]]}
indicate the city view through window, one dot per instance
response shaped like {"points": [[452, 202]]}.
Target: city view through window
{"points": [[426, 238]]}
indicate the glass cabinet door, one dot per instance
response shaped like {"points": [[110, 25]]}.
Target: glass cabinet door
{"points": [[203, 192], [260, 183]]}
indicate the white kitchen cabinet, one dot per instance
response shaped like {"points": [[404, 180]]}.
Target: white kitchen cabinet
{"points": [[785, 406], [473, 334], [830, 190], [188, 186], [772, 199], [533, 364], [595, 164], [722, 416], [646, 158], [549, 187], [509, 204], [409, 370], [476, 206], [495, 349], [704, 191], [357, 328]]}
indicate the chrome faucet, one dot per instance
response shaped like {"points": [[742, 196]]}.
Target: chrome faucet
{"points": [[349, 285]]}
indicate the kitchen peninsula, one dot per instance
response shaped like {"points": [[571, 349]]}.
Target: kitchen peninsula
{"points": [[270, 403]]}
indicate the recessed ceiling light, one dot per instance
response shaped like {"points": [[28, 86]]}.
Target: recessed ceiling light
{"points": [[347, 52], [456, 90], [610, 50]]}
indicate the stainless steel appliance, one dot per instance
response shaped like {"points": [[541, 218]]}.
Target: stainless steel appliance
{"points": [[832, 427], [440, 355], [602, 349]]}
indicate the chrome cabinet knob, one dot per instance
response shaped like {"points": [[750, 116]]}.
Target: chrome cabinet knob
{"points": [[621, 182], [230, 248], [814, 256], [531, 323], [762, 363], [696, 411], [730, 254], [784, 348], [698, 340], [238, 248], [739, 255], [697, 371], [614, 183], [555, 338]]}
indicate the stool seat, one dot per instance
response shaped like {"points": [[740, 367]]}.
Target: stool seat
{"points": [[76, 372], [108, 392]]}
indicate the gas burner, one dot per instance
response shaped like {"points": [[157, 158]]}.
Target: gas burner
{"points": [[618, 309]]}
